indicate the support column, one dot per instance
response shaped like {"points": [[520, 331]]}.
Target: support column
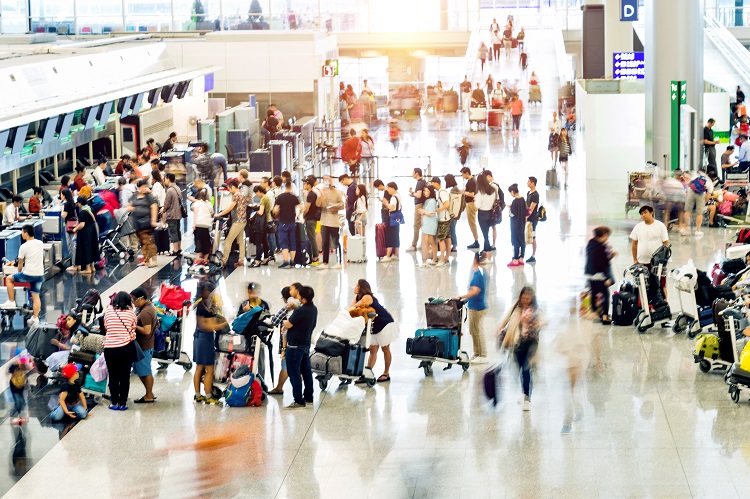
{"points": [[738, 12], [618, 35], [592, 39], [671, 28]]}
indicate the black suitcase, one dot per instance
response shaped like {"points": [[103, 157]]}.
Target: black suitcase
{"points": [[82, 357], [330, 345], [303, 256], [624, 309], [733, 265], [425, 346], [551, 178], [161, 237]]}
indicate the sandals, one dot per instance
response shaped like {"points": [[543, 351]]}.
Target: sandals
{"points": [[144, 401], [381, 379], [360, 381], [276, 392]]}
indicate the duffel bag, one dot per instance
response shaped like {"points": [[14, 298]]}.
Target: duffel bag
{"points": [[324, 364], [425, 346], [330, 345]]}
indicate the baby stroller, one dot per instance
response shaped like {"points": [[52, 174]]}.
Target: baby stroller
{"points": [[243, 345], [441, 341], [213, 264], [654, 306], [342, 349], [719, 351], [696, 294], [91, 311], [111, 244]]}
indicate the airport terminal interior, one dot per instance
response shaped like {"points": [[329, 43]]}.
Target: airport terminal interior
{"points": [[653, 402]]}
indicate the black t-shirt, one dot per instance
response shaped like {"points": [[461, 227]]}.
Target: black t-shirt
{"points": [[313, 212], [708, 134], [287, 202], [518, 213], [71, 210], [471, 188], [532, 197], [73, 392], [303, 321], [421, 184]]}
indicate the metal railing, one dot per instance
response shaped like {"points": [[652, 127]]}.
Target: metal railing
{"points": [[732, 50]]}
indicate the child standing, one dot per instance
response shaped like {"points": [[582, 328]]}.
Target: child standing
{"points": [[463, 150], [393, 134], [72, 401], [18, 379]]}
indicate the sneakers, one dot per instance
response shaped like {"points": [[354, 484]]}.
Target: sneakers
{"points": [[684, 232], [386, 259], [335, 267], [698, 233], [454, 250], [211, 400], [478, 360], [296, 405], [199, 398], [441, 263], [34, 320], [394, 257], [473, 246], [412, 249], [526, 403], [285, 265], [514, 263], [323, 266], [531, 260], [315, 263], [8, 305]]}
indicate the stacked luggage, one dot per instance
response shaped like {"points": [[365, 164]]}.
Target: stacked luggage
{"points": [[341, 351], [171, 311], [719, 351], [441, 341]]}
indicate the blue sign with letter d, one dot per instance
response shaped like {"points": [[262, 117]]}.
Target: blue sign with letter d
{"points": [[628, 10]]}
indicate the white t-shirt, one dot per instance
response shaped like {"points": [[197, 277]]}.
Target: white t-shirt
{"points": [[32, 253], [649, 238], [443, 197], [9, 215], [99, 176], [203, 213], [554, 126], [361, 205], [157, 190]]}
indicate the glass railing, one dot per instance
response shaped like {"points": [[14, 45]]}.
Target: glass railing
{"points": [[732, 50]]}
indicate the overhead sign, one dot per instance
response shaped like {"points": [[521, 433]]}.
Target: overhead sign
{"points": [[329, 71], [628, 66], [334, 63], [628, 10]]}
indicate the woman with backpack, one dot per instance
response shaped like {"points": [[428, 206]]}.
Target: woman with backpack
{"points": [[484, 201], [565, 149]]}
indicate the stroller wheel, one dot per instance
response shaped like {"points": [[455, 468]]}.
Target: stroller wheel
{"points": [[735, 393]]}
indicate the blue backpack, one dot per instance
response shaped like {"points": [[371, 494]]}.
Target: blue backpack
{"points": [[698, 184], [239, 396], [96, 203], [240, 323]]}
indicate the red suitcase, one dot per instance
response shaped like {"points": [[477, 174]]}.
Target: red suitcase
{"points": [[495, 118], [380, 240]]}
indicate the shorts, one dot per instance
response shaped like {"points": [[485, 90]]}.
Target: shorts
{"points": [[533, 227], [443, 230], [143, 367], [283, 364], [35, 281], [695, 202], [202, 240], [287, 236], [173, 227]]}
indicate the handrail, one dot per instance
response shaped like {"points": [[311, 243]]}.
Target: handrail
{"points": [[471, 53], [732, 50]]}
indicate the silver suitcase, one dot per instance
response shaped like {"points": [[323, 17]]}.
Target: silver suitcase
{"points": [[356, 249]]}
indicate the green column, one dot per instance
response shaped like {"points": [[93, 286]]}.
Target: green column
{"points": [[678, 96]]}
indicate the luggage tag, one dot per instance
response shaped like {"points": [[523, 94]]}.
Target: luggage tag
{"points": [[237, 339]]}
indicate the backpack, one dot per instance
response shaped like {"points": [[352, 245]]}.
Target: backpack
{"points": [[698, 184], [541, 213], [96, 203], [441, 198], [18, 379], [160, 337], [183, 208], [456, 204], [498, 205], [256, 399], [743, 236], [239, 392]]}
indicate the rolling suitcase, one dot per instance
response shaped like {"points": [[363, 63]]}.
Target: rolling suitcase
{"points": [[161, 238], [355, 360], [624, 309], [448, 338], [551, 179], [356, 249], [380, 249]]}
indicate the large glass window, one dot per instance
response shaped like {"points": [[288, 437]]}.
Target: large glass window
{"points": [[15, 17], [54, 16]]}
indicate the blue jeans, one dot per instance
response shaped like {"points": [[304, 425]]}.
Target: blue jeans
{"points": [[524, 351], [485, 223], [77, 409], [454, 239], [298, 362], [19, 404]]}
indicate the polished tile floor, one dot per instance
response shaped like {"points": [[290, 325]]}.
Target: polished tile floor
{"points": [[650, 423]]}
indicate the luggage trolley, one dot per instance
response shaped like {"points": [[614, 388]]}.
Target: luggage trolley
{"points": [[214, 264], [350, 364], [693, 316], [654, 306], [176, 300], [441, 341], [719, 351]]}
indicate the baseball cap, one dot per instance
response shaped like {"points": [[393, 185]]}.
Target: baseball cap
{"points": [[69, 370]]}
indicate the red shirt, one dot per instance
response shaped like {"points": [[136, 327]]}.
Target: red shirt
{"points": [[34, 205], [351, 150], [78, 183]]}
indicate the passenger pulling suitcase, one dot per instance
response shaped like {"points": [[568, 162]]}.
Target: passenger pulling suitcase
{"points": [[356, 249], [161, 237], [551, 178], [380, 250]]}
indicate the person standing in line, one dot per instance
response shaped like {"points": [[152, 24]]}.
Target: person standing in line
{"points": [[146, 212], [173, 213], [351, 152], [87, 241], [360, 210], [443, 234], [450, 183], [743, 156], [485, 201], [286, 208], [465, 88], [709, 144], [145, 329], [647, 236], [239, 218], [516, 112], [477, 307], [418, 194], [482, 54], [554, 126], [384, 330], [330, 202], [70, 216], [499, 218], [299, 328], [566, 149], [392, 236], [471, 208], [517, 225], [31, 270], [208, 319], [277, 321], [351, 199], [599, 270], [429, 227], [523, 323], [385, 200], [262, 220], [203, 215], [119, 348], [532, 206], [312, 217]]}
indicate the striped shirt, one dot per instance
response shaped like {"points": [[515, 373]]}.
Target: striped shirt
{"points": [[120, 327]]}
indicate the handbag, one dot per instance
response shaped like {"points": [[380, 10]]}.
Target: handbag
{"points": [[529, 233], [70, 225], [99, 370], [270, 228], [395, 218]]}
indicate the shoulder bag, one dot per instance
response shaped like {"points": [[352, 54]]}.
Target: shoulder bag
{"points": [[396, 218], [139, 355]]}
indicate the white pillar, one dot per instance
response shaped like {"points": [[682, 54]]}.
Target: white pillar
{"points": [[674, 51], [618, 35]]}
